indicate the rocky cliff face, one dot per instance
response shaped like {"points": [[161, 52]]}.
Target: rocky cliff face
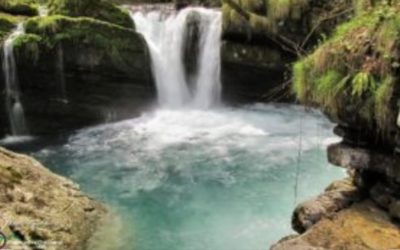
{"points": [[40, 210], [83, 67], [262, 38], [353, 76]]}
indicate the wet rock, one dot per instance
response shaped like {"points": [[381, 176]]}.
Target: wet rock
{"points": [[364, 159], [98, 9], [191, 46], [337, 196], [252, 73], [19, 7], [362, 226], [78, 72]]}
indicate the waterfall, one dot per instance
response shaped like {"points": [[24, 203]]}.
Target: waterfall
{"points": [[165, 34], [13, 101]]}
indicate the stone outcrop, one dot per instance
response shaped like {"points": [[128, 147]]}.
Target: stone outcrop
{"points": [[97, 9], [41, 210], [356, 85], [337, 196], [262, 38], [19, 7], [80, 71], [362, 226]]}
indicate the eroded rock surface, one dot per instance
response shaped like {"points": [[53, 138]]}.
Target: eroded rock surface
{"points": [[360, 227], [41, 210], [339, 195]]}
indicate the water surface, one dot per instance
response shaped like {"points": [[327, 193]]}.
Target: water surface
{"points": [[221, 179]]}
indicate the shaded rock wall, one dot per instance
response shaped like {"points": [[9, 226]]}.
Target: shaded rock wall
{"points": [[350, 85], [79, 71], [263, 30]]}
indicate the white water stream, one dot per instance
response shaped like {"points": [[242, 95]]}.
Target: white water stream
{"points": [[165, 35], [14, 106]]}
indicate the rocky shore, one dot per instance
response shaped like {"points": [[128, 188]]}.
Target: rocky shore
{"points": [[353, 77], [41, 210]]}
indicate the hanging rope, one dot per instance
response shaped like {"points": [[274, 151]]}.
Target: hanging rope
{"points": [[299, 153]]}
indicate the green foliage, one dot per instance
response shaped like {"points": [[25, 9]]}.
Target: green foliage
{"points": [[383, 95], [300, 80], [281, 9], [106, 41], [362, 83], [7, 24], [356, 67], [29, 45], [19, 7], [98, 9]]}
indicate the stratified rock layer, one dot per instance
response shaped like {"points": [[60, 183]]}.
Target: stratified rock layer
{"points": [[360, 227], [78, 71], [41, 210], [353, 76]]}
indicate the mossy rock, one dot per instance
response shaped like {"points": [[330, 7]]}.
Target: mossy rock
{"points": [[294, 20], [98, 9], [353, 75], [108, 44], [8, 23], [19, 7]]}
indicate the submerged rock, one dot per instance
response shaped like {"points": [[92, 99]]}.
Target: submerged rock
{"points": [[41, 210]]}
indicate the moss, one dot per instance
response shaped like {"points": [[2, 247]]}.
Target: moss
{"points": [[110, 44], [98, 9], [281, 9], [260, 23], [29, 45], [19, 7], [356, 67], [56, 28], [7, 24]]}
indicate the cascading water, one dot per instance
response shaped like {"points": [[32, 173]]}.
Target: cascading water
{"points": [[196, 178], [13, 101], [165, 35]]}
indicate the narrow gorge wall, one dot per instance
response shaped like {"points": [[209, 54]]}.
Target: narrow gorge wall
{"points": [[353, 77], [79, 68], [262, 38]]}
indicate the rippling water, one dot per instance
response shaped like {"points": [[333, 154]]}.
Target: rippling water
{"points": [[198, 180]]}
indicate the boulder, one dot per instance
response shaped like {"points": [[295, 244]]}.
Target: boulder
{"points": [[41, 210], [362, 226], [19, 7], [81, 71], [337, 196], [98, 9]]}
